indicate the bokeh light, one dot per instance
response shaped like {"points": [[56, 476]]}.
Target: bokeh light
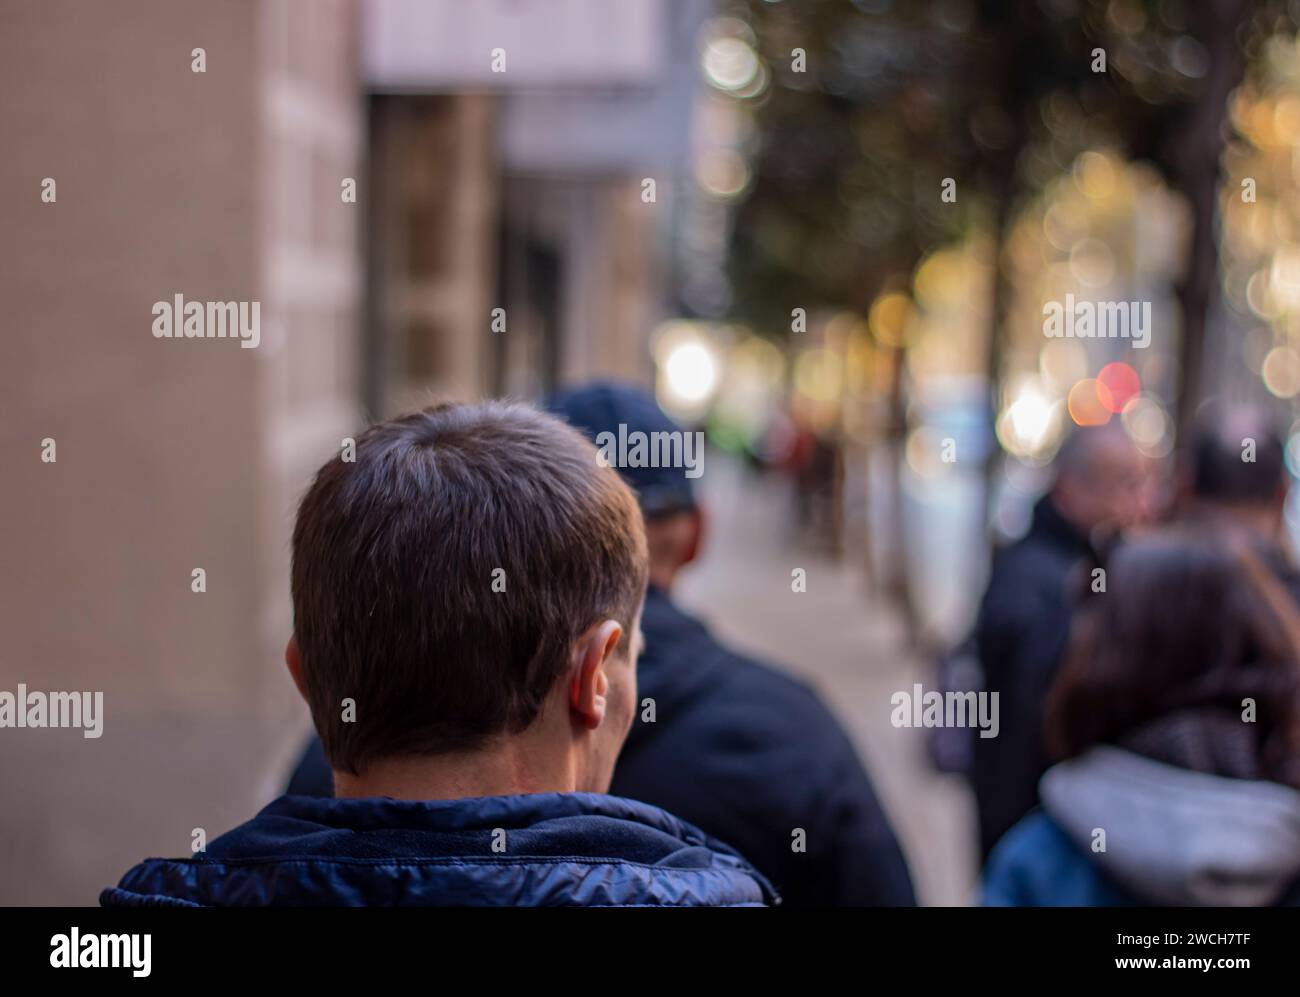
{"points": [[730, 63], [1281, 371], [1085, 405], [1028, 425], [1117, 384], [689, 368], [888, 318], [691, 372], [818, 375], [1149, 425]]}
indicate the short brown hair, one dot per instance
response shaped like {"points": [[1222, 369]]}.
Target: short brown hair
{"points": [[1186, 621], [395, 555]]}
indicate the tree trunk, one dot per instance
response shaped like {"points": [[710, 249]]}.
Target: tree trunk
{"points": [[1196, 151]]}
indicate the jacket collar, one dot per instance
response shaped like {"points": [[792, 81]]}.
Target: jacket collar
{"points": [[538, 849]]}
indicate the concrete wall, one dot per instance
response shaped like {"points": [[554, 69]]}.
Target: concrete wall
{"points": [[433, 248], [171, 454]]}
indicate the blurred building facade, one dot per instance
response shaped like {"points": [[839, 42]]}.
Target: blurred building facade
{"points": [[171, 455], [474, 191], [512, 245]]}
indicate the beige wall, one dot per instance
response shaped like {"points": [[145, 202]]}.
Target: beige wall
{"points": [[434, 247], [614, 287], [609, 293], [171, 454]]}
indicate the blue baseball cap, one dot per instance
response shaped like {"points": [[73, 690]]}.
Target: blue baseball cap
{"points": [[603, 407]]}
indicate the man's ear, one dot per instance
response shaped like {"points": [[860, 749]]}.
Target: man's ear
{"points": [[696, 536], [294, 662], [588, 683]]}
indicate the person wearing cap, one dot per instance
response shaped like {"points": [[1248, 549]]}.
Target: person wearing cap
{"points": [[735, 746]]}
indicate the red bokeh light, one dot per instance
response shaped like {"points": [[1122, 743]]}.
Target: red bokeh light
{"points": [[1117, 385]]}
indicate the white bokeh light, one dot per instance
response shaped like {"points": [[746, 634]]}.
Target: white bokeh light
{"points": [[691, 372]]}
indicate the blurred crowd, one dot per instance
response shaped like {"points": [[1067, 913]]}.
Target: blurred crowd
{"points": [[1144, 639]]}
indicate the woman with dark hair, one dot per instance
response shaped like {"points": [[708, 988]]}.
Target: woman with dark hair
{"points": [[1176, 720]]}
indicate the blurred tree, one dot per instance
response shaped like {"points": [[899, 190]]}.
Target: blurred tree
{"points": [[854, 145], [999, 96]]}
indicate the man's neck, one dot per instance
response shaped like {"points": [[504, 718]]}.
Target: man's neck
{"points": [[506, 769], [1056, 517], [663, 575]]}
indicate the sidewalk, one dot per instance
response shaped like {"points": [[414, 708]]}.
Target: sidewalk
{"points": [[849, 647]]}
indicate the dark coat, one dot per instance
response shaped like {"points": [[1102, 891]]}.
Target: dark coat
{"points": [[1020, 635], [545, 849], [750, 755]]}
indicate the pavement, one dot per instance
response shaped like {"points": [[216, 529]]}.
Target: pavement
{"points": [[847, 644]]}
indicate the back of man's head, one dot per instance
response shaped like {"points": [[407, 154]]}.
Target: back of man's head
{"points": [[1238, 458], [440, 579], [1101, 480]]}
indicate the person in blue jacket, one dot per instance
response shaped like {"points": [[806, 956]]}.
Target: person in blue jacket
{"points": [[735, 746], [467, 594], [1176, 717]]}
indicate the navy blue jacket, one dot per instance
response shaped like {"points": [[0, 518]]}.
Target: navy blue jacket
{"points": [[750, 755], [558, 849]]}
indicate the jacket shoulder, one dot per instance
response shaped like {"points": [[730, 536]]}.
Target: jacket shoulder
{"points": [[762, 708], [480, 881]]}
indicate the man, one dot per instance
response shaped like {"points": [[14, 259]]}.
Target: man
{"points": [[1101, 485], [466, 597], [1236, 479], [732, 745]]}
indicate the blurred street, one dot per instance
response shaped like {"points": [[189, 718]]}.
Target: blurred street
{"points": [[887, 260], [846, 644]]}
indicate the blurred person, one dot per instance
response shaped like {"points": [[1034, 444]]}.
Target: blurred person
{"points": [[737, 747], [466, 598], [1100, 487], [1177, 721], [1236, 481]]}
